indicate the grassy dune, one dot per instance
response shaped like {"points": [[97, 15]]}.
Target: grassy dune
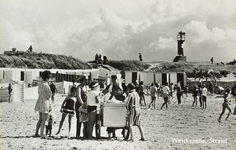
{"points": [[43, 61], [48, 61]]}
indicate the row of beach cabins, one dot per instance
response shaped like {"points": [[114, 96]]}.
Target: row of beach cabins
{"points": [[24, 81]]}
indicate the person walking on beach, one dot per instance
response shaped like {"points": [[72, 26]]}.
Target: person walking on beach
{"points": [[195, 93], [165, 95], [80, 105], [43, 104], [204, 96], [179, 92], [153, 91], [68, 108], [9, 92], [171, 90], [53, 89], [225, 105], [134, 111], [141, 93]]}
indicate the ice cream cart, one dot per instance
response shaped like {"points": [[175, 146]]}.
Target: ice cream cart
{"points": [[111, 115]]}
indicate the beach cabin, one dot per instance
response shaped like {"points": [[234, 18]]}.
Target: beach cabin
{"points": [[17, 94], [26, 77], [155, 77]]}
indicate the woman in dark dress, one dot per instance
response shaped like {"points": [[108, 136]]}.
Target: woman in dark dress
{"points": [[81, 94]]}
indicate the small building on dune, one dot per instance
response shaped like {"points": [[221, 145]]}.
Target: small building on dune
{"points": [[155, 77]]}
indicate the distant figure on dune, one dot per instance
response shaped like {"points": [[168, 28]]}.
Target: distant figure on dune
{"points": [[105, 60], [212, 59], [140, 57], [96, 58]]}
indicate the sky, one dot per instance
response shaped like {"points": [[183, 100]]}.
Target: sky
{"points": [[121, 29]]}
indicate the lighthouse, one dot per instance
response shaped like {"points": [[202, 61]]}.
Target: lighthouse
{"points": [[180, 54]]}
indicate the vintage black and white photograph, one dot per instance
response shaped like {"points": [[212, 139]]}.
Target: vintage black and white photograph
{"points": [[117, 74]]}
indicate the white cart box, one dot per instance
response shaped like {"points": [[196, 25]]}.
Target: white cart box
{"points": [[114, 114]]}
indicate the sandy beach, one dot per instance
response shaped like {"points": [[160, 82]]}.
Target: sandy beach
{"points": [[179, 127]]}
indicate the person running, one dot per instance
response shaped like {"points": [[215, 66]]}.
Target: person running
{"points": [[141, 93], [134, 111], [43, 104], [68, 108], [195, 93], [165, 95], [204, 96], [225, 105], [153, 91]]}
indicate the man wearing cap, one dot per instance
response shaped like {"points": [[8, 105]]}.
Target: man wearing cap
{"points": [[116, 90]]}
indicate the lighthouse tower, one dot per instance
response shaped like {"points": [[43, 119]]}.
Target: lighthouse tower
{"points": [[180, 40]]}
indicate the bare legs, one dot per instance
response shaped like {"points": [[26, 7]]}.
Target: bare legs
{"points": [[153, 101], [61, 123], [41, 123], [140, 130], [91, 121], [195, 100], [223, 111]]}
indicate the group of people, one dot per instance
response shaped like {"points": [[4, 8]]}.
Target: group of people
{"points": [[83, 102], [101, 60]]}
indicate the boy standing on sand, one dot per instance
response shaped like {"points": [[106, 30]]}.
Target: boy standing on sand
{"points": [[134, 111]]}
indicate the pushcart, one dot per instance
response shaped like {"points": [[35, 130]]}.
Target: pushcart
{"points": [[112, 115]]}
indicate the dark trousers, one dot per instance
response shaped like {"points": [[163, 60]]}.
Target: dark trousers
{"points": [[165, 102], [179, 98]]}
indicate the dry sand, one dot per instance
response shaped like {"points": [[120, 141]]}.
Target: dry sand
{"points": [[184, 122]]}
